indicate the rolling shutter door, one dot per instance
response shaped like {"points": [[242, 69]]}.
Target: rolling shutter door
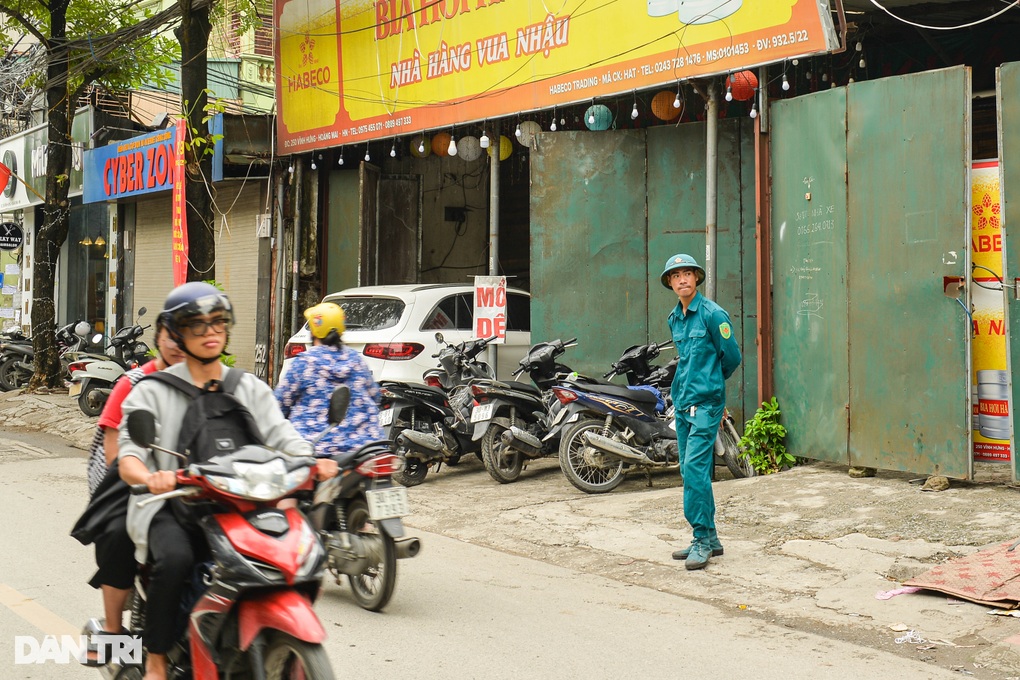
{"points": [[153, 277]]}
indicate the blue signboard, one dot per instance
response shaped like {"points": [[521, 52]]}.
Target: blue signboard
{"points": [[136, 166]]}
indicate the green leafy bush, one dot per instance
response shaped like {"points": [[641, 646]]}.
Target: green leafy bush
{"points": [[762, 443]]}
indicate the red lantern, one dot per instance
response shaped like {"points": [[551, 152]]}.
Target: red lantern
{"points": [[662, 106], [742, 85]]}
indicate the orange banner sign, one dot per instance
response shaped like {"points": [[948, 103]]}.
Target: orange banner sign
{"points": [[354, 70], [179, 221]]}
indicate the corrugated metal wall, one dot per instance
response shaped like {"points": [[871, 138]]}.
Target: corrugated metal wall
{"points": [[1009, 173], [607, 209], [236, 259], [870, 212]]}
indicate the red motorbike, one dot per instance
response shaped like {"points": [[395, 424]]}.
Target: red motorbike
{"points": [[252, 616]]}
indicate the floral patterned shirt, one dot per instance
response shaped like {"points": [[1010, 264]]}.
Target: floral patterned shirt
{"points": [[305, 391]]}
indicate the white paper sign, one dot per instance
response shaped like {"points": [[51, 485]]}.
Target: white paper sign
{"points": [[8, 290], [490, 308], [6, 313], [12, 269]]}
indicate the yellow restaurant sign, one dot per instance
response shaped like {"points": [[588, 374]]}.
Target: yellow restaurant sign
{"points": [[354, 70]]}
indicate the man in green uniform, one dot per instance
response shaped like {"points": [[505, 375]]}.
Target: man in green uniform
{"points": [[708, 356]]}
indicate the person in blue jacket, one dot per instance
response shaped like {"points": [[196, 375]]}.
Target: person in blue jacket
{"points": [[305, 389], [708, 354]]}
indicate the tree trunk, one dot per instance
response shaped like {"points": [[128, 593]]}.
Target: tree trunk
{"points": [[57, 209], [193, 36]]}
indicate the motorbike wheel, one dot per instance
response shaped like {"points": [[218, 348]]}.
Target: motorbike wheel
{"points": [[503, 463], [11, 376], [413, 473], [287, 657], [90, 401], [738, 465], [374, 587], [585, 468]]}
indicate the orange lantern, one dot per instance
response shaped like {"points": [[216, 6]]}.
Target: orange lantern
{"points": [[742, 85], [441, 144], [662, 106]]}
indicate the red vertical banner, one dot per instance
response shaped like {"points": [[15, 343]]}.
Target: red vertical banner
{"points": [[179, 241]]}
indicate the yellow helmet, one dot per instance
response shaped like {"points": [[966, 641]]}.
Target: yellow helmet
{"points": [[325, 317]]}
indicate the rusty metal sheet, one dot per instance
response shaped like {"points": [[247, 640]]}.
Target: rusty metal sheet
{"points": [[1008, 87], [343, 235], [809, 241], [588, 246], [908, 157], [676, 223]]}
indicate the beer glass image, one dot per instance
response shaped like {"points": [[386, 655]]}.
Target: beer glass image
{"points": [[309, 64], [705, 11]]}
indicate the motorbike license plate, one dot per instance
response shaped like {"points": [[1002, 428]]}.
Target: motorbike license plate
{"points": [[387, 503], [385, 417], [74, 390], [481, 413]]}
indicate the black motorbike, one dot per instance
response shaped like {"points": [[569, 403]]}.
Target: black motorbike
{"points": [[429, 424], [607, 429], [17, 357], [511, 418], [357, 514]]}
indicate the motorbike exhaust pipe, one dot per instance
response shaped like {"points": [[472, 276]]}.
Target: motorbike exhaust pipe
{"points": [[407, 547], [522, 441], [615, 448], [421, 444]]}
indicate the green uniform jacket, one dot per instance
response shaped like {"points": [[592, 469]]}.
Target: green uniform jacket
{"points": [[708, 353]]}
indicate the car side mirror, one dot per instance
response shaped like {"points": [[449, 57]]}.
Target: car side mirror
{"points": [[439, 337], [338, 403], [142, 428]]}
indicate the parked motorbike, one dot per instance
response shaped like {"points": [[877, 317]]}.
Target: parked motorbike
{"points": [[253, 616], [510, 418], [17, 358], [357, 514], [429, 424], [92, 379], [607, 429]]}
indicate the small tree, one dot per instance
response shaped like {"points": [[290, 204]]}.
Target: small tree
{"points": [[85, 42], [762, 443]]}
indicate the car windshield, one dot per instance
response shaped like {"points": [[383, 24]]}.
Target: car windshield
{"points": [[371, 314]]}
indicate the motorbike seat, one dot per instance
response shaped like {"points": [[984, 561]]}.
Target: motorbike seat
{"points": [[519, 386], [639, 396], [418, 390]]}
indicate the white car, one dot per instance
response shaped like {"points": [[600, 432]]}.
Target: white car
{"points": [[394, 327]]}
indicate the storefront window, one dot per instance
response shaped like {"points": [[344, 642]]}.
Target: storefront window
{"points": [[84, 278]]}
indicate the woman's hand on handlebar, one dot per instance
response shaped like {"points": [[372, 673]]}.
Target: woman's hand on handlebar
{"points": [[326, 468], [161, 481]]}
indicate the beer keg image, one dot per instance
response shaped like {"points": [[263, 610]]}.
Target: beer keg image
{"points": [[706, 11], [993, 404]]}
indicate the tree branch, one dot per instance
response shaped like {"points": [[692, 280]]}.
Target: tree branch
{"points": [[25, 23]]}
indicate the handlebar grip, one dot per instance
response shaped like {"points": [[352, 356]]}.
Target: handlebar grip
{"points": [[139, 489], [517, 372], [611, 374], [571, 341]]}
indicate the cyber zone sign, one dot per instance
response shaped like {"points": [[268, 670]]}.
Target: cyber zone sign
{"points": [[140, 165]]}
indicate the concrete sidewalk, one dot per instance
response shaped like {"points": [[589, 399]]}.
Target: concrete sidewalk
{"points": [[809, 548]]}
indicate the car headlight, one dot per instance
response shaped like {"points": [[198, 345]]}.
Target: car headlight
{"points": [[260, 481]]}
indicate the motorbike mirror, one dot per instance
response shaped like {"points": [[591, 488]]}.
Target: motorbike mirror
{"points": [[141, 312], [97, 338], [142, 428], [439, 337], [338, 403]]}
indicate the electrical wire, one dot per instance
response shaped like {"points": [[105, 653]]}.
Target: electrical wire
{"points": [[945, 28]]}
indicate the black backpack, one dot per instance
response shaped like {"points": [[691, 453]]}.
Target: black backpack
{"points": [[215, 422]]}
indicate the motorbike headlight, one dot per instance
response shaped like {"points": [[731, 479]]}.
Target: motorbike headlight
{"points": [[260, 481]]}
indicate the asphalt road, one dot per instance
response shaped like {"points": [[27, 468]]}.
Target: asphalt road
{"points": [[460, 610]]}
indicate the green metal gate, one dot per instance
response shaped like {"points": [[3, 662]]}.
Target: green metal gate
{"points": [[1008, 87], [871, 198], [607, 209]]}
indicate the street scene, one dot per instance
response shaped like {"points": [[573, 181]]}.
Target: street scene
{"points": [[501, 339]]}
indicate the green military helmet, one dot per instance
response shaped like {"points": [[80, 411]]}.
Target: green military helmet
{"points": [[681, 261]]}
